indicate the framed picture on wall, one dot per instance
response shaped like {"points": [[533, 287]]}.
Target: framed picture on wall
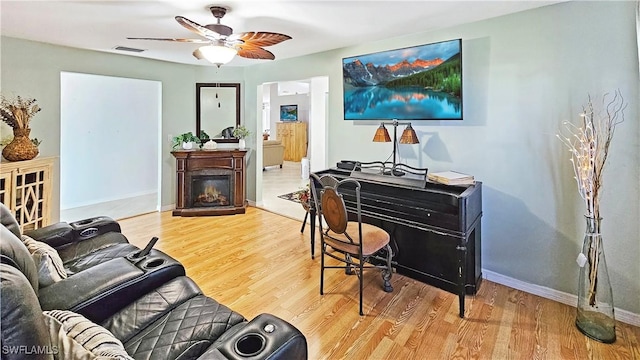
{"points": [[288, 112]]}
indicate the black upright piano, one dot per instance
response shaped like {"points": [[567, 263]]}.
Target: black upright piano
{"points": [[434, 228]]}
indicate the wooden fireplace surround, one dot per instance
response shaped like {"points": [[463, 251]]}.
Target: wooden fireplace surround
{"points": [[193, 161]]}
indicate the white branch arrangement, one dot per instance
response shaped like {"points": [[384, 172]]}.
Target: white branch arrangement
{"points": [[588, 143]]}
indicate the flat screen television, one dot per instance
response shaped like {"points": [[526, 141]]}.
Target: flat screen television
{"points": [[415, 83], [288, 112]]}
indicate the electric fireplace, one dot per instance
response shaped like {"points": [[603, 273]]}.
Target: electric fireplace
{"points": [[210, 182]]}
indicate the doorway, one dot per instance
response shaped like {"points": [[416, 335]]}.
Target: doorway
{"points": [[273, 184]]}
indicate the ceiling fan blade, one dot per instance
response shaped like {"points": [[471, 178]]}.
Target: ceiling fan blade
{"points": [[197, 28], [254, 52], [197, 41], [260, 38]]}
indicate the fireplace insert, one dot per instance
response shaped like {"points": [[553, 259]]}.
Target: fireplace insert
{"points": [[210, 190]]}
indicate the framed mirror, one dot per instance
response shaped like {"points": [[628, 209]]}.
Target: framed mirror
{"points": [[218, 110]]}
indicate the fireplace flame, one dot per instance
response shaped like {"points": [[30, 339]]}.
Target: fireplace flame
{"points": [[212, 195]]}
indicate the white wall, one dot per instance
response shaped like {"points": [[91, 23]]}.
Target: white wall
{"points": [[318, 141], [109, 138]]}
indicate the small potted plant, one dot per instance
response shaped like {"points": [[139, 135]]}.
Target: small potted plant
{"points": [[185, 140], [241, 133]]}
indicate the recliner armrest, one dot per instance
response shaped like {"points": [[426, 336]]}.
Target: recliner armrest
{"points": [[56, 235], [88, 285], [102, 290], [63, 234], [264, 337]]}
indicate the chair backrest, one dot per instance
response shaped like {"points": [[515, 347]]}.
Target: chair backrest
{"points": [[13, 252], [23, 327], [328, 197], [8, 220]]}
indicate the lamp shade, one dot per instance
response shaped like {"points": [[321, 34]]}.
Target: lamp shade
{"points": [[409, 136], [217, 54], [381, 135]]}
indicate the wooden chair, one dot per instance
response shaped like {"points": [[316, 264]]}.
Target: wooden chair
{"points": [[357, 242]]}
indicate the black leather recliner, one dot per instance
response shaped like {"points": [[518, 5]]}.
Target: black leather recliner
{"points": [[80, 244], [104, 271], [173, 320]]}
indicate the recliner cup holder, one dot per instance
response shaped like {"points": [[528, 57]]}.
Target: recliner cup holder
{"points": [[154, 263], [250, 345], [83, 222], [89, 221], [135, 256]]}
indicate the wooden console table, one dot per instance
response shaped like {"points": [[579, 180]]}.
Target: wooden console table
{"points": [[199, 169]]}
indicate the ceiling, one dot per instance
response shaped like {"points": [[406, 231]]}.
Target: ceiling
{"points": [[314, 25]]}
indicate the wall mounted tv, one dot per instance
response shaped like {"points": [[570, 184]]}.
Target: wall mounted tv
{"points": [[288, 112], [416, 83]]}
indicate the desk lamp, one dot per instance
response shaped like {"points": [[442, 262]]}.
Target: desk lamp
{"points": [[408, 136]]}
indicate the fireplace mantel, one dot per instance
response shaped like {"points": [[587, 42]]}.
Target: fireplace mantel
{"points": [[195, 165]]}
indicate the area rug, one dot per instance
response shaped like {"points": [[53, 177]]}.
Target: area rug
{"points": [[292, 196]]}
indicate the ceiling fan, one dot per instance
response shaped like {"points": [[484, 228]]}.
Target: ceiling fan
{"points": [[222, 43]]}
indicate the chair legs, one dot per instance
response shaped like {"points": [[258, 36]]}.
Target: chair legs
{"points": [[323, 248], [360, 277], [351, 268], [304, 222], [348, 270], [387, 272]]}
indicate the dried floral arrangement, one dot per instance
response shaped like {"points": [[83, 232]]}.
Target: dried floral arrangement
{"points": [[588, 143], [17, 112]]}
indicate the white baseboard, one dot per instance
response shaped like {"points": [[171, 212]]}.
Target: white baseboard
{"points": [[562, 297], [116, 209]]}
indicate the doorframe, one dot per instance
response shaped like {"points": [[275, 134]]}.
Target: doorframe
{"points": [[317, 149]]}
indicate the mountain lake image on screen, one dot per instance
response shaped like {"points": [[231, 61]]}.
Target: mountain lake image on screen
{"points": [[415, 83]]}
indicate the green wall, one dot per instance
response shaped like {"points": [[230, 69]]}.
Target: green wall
{"points": [[523, 75], [33, 69]]}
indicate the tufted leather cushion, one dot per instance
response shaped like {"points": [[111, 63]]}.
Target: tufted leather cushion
{"points": [[174, 321], [150, 307], [185, 332], [47, 260]]}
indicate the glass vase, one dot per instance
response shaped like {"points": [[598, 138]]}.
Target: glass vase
{"points": [[595, 317]]}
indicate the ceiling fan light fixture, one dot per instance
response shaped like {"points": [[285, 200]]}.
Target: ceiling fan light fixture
{"points": [[218, 54]]}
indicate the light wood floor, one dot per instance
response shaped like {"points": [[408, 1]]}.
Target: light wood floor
{"points": [[260, 262]]}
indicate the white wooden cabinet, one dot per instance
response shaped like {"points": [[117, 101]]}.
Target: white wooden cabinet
{"points": [[25, 188]]}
